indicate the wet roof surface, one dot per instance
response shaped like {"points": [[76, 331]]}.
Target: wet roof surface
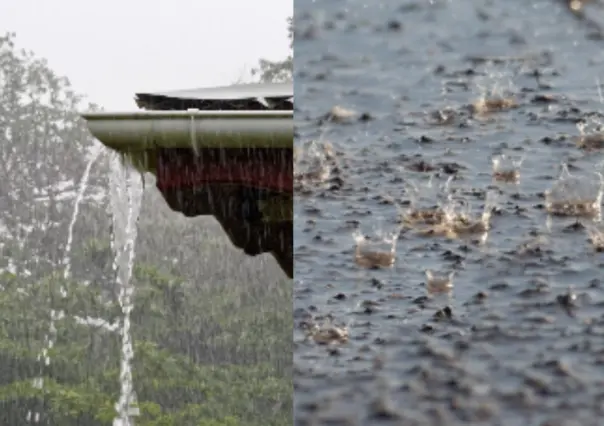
{"points": [[251, 96]]}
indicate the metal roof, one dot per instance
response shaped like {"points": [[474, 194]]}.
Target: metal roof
{"points": [[250, 96]]}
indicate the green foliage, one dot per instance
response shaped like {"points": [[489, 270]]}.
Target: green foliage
{"points": [[278, 71], [202, 356], [211, 328]]}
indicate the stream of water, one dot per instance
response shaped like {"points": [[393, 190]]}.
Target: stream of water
{"points": [[126, 193], [125, 199], [44, 357], [94, 153]]}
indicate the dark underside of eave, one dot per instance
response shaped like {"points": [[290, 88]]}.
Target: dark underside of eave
{"points": [[165, 103], [253, 237], [251, 234]]}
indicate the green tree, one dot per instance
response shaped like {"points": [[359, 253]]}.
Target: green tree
{"points": [[191, 367], [278, 71], [211, 327]]}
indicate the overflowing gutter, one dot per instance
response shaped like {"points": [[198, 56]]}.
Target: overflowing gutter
{"points": [[226, 152], [257, 115], [141, 130]]}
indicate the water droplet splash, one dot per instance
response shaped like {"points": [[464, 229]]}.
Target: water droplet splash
{"points": [[427, 202], [378, 252], [577, 196], [591, 133], [460, 223], [314, 162], [596, 237], [494, 95], [327, 333], [507, 168], [440, 287], [439, 284]]}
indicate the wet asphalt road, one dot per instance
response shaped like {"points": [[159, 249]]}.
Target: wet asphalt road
{"points": [[514, 345]]}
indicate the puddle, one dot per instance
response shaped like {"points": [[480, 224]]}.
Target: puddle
{"points": [[485, 100]]}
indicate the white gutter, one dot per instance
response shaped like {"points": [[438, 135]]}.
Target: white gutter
{"points": [[142, 130]]}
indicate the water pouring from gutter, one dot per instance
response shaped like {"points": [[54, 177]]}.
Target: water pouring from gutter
{"points": [[208, 159], [125, 196], [224, 152], [94, 154], [50, 338]]}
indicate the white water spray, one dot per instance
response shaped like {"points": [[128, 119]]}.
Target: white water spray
{"points": [[94, 154], [49, 339], [125, 194]]}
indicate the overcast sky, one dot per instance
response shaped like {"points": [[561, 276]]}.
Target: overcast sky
{"points": [[111, 49]]}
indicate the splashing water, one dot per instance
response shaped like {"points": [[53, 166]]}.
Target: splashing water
{"points": [[440, 288], [596, 237], [464, 223], [572, 195], [376, 253], [50, 337], [458, 222], [94, 153], [496, 82], [314, 162], [590, 125], [507, 168], [591, 133], [428, 195], [125, 195], [439, 284], [427, 203], [493, 95]]}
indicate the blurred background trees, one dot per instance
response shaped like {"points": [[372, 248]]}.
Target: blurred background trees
{"points": [[278, 71], [211, 327]]}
